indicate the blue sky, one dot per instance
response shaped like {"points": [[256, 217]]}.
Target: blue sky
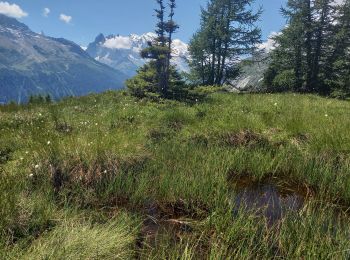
{"points": [[82, 20]]}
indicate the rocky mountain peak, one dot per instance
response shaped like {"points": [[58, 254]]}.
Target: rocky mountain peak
{"points": [[32, 63], [123, 52], [100, 38], [12, 23]]}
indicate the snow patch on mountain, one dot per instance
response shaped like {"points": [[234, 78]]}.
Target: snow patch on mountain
{"points": [[123, 52], [32, 63]]}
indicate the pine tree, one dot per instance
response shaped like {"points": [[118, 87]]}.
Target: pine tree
{"points": [[160, 29], [308, 24], [304, 47], [159, 78], [170, 27], [199, 59], [160, 49], [298, 14], [338, 71], [227, 32], [324, 32]]}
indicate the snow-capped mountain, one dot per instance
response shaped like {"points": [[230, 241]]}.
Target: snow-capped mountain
{"points": [[123, 52], [32, 63]]}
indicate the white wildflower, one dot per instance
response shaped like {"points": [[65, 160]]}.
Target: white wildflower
{"points": [[36, 166], [48, 142], [31, 175]]}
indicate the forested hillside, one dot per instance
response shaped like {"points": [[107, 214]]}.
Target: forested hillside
{"points": [[313, 53]]}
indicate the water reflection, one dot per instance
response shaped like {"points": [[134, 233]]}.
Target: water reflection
{"points": [[267, 200]]}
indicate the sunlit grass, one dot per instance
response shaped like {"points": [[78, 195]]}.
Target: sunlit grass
{"points": [[110, 152]]}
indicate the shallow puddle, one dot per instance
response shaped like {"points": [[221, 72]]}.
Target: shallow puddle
{"points": [[157, 224], [267, 199]]}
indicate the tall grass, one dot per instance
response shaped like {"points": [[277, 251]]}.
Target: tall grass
{"points": [[75, 238], [102, 154]]}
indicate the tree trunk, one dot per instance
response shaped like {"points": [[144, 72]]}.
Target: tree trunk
{"points": [[308, 46], [318, 47]]}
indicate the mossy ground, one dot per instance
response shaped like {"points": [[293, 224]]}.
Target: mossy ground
{"points": [[82, 177]]}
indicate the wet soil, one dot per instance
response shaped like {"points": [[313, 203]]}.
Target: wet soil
{"points": [[174, 221], [269, 198]]}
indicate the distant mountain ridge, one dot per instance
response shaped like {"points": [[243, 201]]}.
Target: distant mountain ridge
{"points": [[31, 63], [252, 72], [123, 52]]}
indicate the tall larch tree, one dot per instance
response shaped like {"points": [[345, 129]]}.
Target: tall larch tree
{"points": [[300, 61], [338, 71], [227, 32]]}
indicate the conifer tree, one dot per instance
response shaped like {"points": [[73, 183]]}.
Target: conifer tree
{"points": [[159, 78], [170, 28], [159, 50], [303, 48], [338, 71], [227, 32], [323, 34]]}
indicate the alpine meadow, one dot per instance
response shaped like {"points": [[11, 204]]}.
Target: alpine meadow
{"points": [[222, 134]]}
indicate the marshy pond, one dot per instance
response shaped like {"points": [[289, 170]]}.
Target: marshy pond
{"points": [[268, 198]]}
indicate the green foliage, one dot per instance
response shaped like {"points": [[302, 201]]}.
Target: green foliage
{"points": [[339, 71], [227, 31], [145, 84], [284, 81], [160, 49], [314, 47]]}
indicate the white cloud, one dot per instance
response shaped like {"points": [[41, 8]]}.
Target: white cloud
{"points": [[269, 45], [12, 10], [46, 12], [118, 42], [65, 18]]}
